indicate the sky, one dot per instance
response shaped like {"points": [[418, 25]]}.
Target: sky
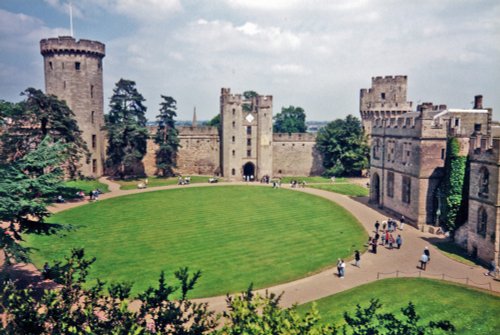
{"points": [[315, 54]]}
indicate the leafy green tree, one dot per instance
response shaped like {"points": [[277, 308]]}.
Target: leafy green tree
{"points": [[126, 128], [76, 308], [452, 185], [27, 186], [167, 137], [215, 122], [37, 116], [247, 107], [368, 321], [253, 314], [343, 147], [290, 120]]}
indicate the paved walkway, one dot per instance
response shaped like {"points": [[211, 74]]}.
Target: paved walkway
{"points": [[326, 283]]}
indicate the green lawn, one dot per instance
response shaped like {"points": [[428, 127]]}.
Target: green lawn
{"points": [[455, 252], [156, 181], [471, 311], [234, 234], [353, 190]]}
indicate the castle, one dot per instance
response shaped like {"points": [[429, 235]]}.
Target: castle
{"points": [[407, 157], [408, 147], [245, 147]]}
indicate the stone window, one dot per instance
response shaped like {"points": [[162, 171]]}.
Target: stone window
{"points": [[376, 149], [457, 122], [477, 127], [406, 190], [50, 66], [234, 111], [233, 139], [64, 84], [382, 95], [234, 124], [94, 141], [62, 65], [249, 153], [484, 181], [91, 91], [443, 153], [92, 117], [94, 166], [249, 141], [234, 153], [99, 64], [249, 130], [390, 184], [482, 222], [77, 66]]}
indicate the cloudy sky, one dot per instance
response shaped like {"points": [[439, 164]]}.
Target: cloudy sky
{"points": [[316, 54]]}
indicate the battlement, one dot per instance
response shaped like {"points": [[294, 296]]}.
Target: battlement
{"points": [[261, 101], [294, 137], [389, 79], [67, 44]]}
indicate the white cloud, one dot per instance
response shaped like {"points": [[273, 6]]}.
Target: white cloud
{"points": [[265, 4], [290, 69], [143, 10]]}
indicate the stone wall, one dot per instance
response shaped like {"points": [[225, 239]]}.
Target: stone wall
{"points": [[296, 155]]}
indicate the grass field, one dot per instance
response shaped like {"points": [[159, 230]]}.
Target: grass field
{"points": [[349, 189], [156, 181], [234, 234], [471, 311], [455, 252]]}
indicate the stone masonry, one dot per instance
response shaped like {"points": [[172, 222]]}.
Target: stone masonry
{"points": [[73, 72]]}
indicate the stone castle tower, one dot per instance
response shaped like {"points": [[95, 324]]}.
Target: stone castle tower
{"points": [[73, 72], [247, 135], [386, 98]]}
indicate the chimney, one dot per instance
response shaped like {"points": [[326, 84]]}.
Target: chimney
{"points": [[478, 102]]}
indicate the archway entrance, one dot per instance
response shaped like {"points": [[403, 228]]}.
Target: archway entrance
{"points": [[375, 189], [249, 171]]}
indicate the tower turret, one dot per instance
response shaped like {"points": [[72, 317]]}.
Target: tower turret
{"points": [[73, 72]]}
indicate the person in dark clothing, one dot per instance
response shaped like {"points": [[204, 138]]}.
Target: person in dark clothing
{"points": [[357, 258], [427, 252]]}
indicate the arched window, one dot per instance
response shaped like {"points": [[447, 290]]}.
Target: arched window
{"points": [[233, 172], [482, 222], [484, 181]]}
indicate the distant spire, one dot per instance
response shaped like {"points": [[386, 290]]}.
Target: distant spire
{"points": [[71, 18], [195, 122]]}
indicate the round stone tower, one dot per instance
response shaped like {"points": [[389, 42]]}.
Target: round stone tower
{"points": [[73, 72]]}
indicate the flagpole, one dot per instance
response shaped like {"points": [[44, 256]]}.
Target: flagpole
{"points": [[71, 18]]}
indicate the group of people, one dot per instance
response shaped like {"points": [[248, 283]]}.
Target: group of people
{"points": [[94, 194], [295, 183], [385, 234], [183, 181]]}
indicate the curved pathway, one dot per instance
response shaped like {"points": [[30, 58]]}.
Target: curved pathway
{"points": [[326, 282]]}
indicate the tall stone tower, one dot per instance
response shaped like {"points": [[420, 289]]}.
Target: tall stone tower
{"points": [[73, 72], [247, 135]]}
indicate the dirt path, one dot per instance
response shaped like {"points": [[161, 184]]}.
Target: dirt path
{"points": [[326, 283]]}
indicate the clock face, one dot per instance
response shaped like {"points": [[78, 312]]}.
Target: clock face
{"points": [[249, 118]]}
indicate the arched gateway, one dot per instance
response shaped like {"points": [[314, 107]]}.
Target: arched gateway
{"points": [[249, 170]]}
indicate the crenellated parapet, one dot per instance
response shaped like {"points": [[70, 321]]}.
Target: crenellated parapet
{"points": [[68, 45]]}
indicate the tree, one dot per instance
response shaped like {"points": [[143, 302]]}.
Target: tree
{"points": [[343, 147], [253, 314], [451, 190], [27, 186], [290, 120], [368, 321], [215, 122], [76, 307], [166, 137], [37, 116], [249, 95], [126, 128]]}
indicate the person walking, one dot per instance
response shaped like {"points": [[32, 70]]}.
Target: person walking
{"points": [[399, 241], [402, 222], [342, 269], [423, 261], [357, 258], [377, 226], [427, 252], [339, 262]]}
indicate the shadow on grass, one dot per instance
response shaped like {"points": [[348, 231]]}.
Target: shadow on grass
{"points": [[454, 251], [38, 228]]}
